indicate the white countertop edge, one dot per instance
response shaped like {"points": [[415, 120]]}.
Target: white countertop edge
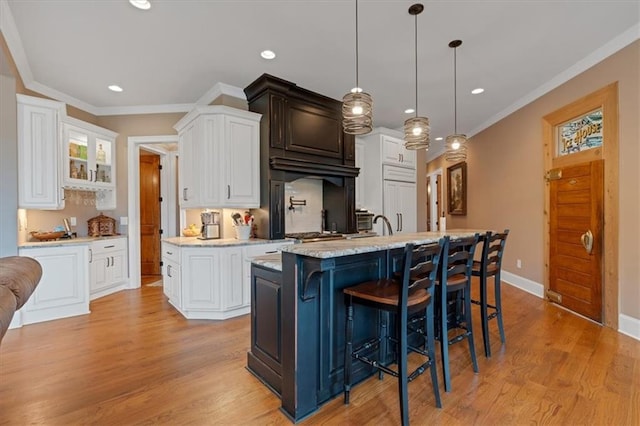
{"points": [[219, 242], [66, 242]]}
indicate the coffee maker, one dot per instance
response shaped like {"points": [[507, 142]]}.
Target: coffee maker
{"points": [[210, 225]]}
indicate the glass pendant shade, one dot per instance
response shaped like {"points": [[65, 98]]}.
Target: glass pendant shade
{"points": [[357, 108], [416, 133], [456, 148]]}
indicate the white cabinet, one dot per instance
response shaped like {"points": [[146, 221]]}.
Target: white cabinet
{"points": [[388, 180], [39, 153], [360, 153], [63, 290], [171, 284], [394, 152], [89, 161], [212, 282], [108, 264], [219, 146], [56, 152], [400, 206]]}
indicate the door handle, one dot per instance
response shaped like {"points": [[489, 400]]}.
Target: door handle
{"points": [[184, 194], [397, 222], [228, 192], [587, 241], [401, 222]]}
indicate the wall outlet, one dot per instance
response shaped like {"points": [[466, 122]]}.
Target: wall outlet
{"points": [[73, 221], [518, 263], [124, 220]]}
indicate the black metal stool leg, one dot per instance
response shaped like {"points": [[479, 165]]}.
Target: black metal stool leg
{"points": [[484, 315], [498, 298], [403, 380], [469, 325], [348, 350]]}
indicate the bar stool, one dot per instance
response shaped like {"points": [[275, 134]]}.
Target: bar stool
{"points": [[411, 300], [453, 293], [490, 266]]}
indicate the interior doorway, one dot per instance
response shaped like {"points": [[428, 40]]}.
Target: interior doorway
{"points": [[150, 217], [166, 148], [434, 200]]}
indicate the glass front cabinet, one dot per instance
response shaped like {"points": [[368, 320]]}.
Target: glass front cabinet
{"points": [[89, 156]]}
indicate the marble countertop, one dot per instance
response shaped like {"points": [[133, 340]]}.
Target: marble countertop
{"points": [[67, 241], [338, 248], [219, 242]]}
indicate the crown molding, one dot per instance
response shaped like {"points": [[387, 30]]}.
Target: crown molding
{"points": [[221, 89], [12, 37], [618, 43], [144, 109]]}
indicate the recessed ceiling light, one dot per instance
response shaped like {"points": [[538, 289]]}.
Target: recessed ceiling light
{"points": [[477, 91], [439, 139], [141, 4], [115, 88], [268, 54], [409, 111]]}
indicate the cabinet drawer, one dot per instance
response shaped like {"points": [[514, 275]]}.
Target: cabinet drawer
{"points": [[108, 245], [262, 249], [171, 252], [398, 173]]}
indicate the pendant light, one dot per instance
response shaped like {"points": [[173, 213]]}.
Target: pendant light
{"points": [[357, 105], [456, 143], [416, 129]]}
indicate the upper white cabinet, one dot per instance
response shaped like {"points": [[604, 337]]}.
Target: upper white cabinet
{"points": [[89, 156], [39, 153], [387, 180], [394, 152], [57, 152], [219, 151]]}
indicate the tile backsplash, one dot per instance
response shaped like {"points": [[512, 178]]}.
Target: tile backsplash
{"points": [[303, 218]]}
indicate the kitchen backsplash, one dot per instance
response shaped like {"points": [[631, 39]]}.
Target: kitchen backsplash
{"points": [[303, 218]]}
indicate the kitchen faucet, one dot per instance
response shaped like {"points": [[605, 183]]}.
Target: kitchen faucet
{"points": [[389, 229]]}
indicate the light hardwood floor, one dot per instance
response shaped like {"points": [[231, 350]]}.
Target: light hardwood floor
{"points": [[135, 360]]}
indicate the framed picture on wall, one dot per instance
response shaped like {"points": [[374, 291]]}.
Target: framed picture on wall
{"points": [[457, 189]]}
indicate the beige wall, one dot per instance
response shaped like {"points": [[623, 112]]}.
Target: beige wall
{"points": [[505, 174]]}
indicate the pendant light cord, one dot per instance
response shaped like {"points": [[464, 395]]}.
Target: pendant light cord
{"points": [[416, 56], [455, 91], [357, 84]]}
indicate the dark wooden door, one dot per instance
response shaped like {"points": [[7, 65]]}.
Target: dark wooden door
{"points": [[575, 243], [149, 214]]}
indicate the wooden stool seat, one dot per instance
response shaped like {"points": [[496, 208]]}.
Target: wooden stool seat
{"points": [[386, 292]]}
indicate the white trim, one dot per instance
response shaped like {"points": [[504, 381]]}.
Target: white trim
{"points": [[60, 96], [629, 326], [434, 192], [618, 43], [133, 199], [14, 42], [143, 109], [221, 89], [522, 283]]}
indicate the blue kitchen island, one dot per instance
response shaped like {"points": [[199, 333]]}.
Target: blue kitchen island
{"points": [[298, 314]]}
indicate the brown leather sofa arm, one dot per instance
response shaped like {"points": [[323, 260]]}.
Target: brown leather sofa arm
{"points": [[19, 277]]}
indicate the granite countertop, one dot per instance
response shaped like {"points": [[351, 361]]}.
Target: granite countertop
{"points": [[220, 242], [270, 261], [66, 241], [338, 248]]}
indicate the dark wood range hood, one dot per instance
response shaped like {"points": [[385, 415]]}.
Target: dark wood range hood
{"points": [[301, 136]]}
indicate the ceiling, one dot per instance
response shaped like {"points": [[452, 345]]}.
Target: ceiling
{"points": [[169, 57]]}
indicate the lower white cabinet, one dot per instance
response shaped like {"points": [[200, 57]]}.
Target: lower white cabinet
{"points": [[210, 282], [63, 290], [108, 266], [400, 206]]}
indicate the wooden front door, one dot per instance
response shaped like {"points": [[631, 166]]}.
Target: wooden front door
{"points": [[575, 243], [149, 214]]}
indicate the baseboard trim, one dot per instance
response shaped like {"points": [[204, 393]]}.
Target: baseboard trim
{"points": [[629, 326], [522, 283]]}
